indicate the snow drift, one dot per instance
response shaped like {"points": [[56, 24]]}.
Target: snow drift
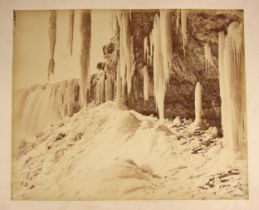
{"points": [[109, 153]]}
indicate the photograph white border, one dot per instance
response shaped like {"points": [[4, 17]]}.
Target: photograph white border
{"points": [[251, 24]]}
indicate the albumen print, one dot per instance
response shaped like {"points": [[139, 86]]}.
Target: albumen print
{"points": [[129, 105]]}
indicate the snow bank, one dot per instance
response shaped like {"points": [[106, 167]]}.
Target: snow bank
{"points": [[108, 153]]}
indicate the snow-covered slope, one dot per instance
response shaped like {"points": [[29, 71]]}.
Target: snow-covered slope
{"points": [[107, 152]]}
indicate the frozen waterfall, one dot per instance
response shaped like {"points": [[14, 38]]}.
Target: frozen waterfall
{"points": [[38, 106]]}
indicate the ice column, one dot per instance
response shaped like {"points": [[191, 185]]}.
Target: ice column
{"points": [[145, 83], [232, 86], [198, 105], [161, 48]]}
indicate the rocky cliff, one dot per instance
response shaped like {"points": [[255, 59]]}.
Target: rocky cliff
{"points": [[188, 68]]}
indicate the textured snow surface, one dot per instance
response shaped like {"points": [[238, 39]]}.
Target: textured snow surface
{"points": [[106, 152]]}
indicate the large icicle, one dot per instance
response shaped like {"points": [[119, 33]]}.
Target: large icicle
{"points": [[151, 49], [161, 50], [85, 29], [126, 69], [71, 30], [233, 87], [178, 13], [166, 40], [145, 83], [119, 88], [115, 24], [221, 47], [130, 72], [184, 28], [146, 49], [120, 97], [52, 40], [159, 74], [208, 57]]}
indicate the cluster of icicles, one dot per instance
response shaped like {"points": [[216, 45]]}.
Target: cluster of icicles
{"points": [[53, 37], [85, 30], [158, 53], [126, 61]]}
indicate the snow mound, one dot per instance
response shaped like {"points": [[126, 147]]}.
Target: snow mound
{"points": [[109, 153]]}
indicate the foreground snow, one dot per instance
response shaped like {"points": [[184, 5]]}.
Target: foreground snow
{"points": [[110, 153]]}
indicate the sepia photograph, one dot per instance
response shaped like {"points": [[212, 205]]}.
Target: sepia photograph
{"points": [[129, 104]]}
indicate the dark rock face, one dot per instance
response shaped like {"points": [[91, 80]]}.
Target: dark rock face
{"points": [[203, 27]]}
